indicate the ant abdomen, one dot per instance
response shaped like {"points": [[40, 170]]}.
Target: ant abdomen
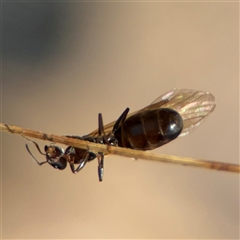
{"points": [[149, 129]]}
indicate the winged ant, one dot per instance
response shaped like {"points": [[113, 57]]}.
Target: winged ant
{"points": [[175, 113]]}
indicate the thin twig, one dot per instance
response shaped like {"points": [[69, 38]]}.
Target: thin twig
{"points": [[126, 152]]}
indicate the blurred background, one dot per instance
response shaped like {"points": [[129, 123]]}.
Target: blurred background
{"points": [[64, 62]]}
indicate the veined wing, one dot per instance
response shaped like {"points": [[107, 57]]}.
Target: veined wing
{"points": [[192, 105]]}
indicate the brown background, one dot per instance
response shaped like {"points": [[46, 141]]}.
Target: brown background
{"points": [[63, 63]]}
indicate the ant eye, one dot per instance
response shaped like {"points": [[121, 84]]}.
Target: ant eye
{"points": [[46, 148]]}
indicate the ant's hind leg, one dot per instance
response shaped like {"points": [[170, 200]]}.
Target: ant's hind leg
{"points": [[120, 120], [101, 132]]}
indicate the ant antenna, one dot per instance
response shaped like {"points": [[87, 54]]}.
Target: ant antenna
{"points": [[39, 163], [38, 148]]}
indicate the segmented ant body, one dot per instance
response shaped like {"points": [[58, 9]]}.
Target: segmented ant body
{"points": [[175, 113], [58, 158]]}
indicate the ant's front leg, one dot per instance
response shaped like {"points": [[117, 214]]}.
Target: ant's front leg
{"points": [[71, 159]]}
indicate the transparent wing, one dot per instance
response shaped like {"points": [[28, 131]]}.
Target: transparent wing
{"points": [[192, 105]]}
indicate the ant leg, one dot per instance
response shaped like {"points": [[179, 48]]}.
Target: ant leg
{"points": [[39, 163], [80, 166], [101, 132], [120, 120], [100, 157]]}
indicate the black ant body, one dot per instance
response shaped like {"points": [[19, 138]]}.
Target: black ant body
{"points": [[173, 114]]}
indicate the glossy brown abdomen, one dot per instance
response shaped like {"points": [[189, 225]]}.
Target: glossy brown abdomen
{"points": [[149, 129]]}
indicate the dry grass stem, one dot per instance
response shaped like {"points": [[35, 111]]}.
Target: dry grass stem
{"points": [[121, 151]]}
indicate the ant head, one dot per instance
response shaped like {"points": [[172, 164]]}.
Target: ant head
{"points": [[53, 151], [54, 156], [59, 163]]}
